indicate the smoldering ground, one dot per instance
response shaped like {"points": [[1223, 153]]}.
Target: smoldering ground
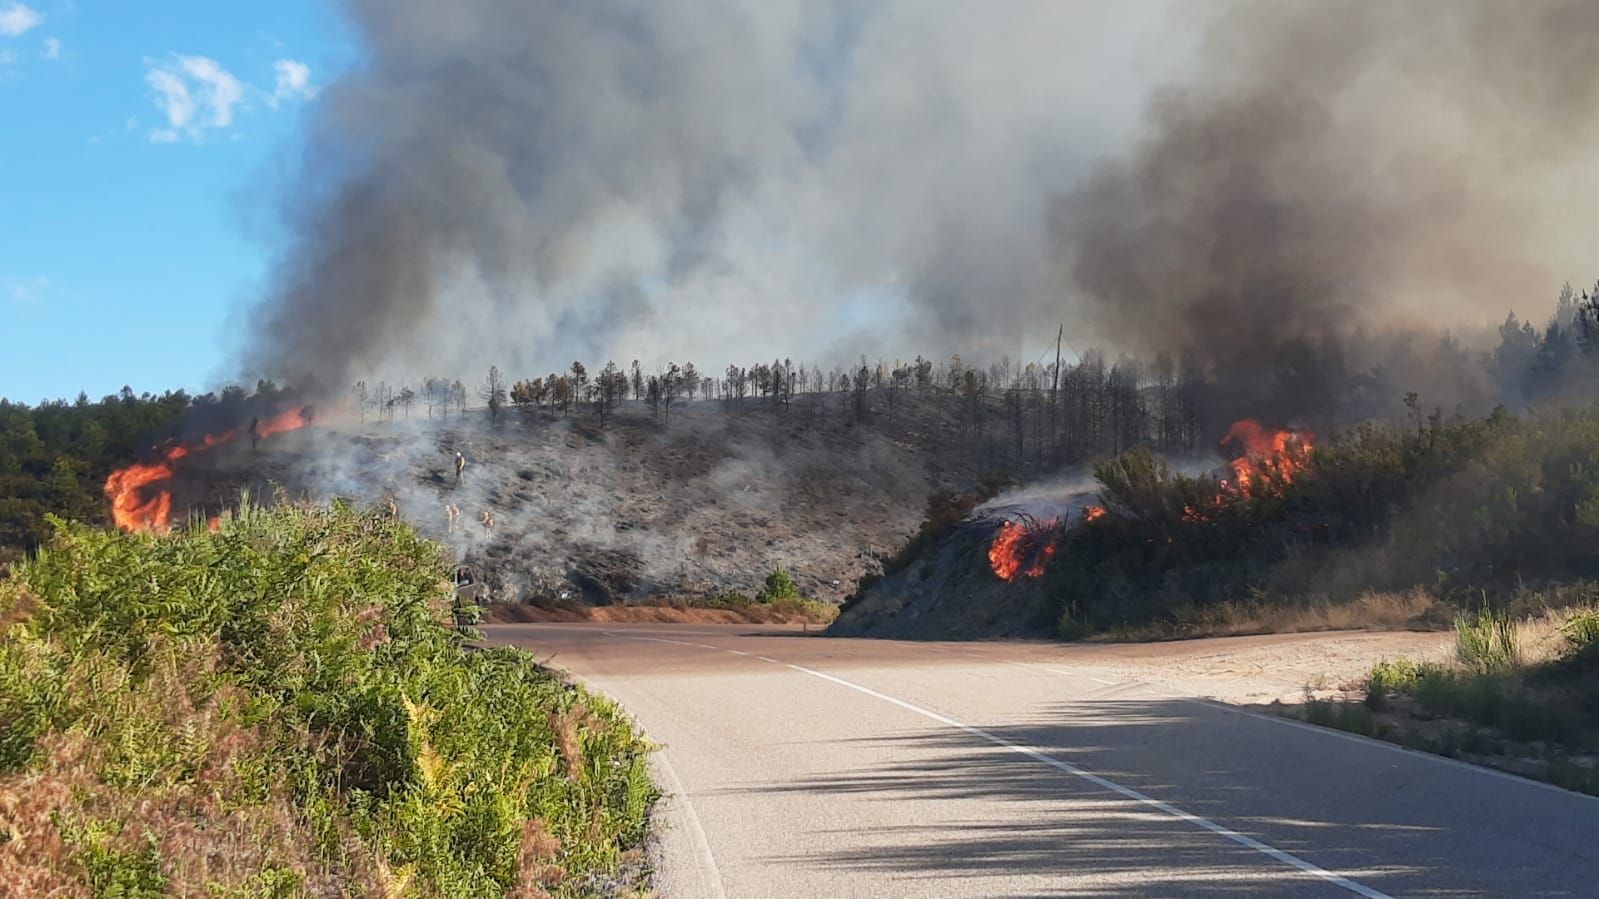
{"points": [[706, 504]]}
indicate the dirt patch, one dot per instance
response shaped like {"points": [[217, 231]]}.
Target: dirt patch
{"points": [[1259, 670], [508, 613]]}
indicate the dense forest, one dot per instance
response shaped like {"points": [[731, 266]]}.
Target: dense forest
{"points": [[1025, 419]]}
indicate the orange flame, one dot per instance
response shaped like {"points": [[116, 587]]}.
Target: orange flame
{"points": [[136, 508], [125, 489], [1090, 513], [292, 420], [1020, 549], [1268, 463]]}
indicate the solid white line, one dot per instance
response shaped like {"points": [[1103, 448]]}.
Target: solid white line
{"points": [[1286, 858], [1273, 852], [710, 874]]}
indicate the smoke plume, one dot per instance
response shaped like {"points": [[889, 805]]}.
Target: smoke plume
{"points": [[1334, 166], [524, 182]]}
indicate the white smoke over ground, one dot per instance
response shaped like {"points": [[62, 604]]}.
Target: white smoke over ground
{"points": [[707, 504]]}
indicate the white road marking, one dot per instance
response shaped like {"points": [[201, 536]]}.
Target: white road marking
{"points": [[1272, 852], [710, 874]]}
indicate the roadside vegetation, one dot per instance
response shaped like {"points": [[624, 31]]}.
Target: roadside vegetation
{"points": [[1406, 525], [1521, 695], [281, 707]]}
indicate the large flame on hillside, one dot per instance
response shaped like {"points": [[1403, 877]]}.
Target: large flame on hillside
{"points": [[1271, 460], [138, 500], [1268, 462], [1022, 549]]}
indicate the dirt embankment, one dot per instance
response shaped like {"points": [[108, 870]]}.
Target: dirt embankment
{"points": [[509, 613]]}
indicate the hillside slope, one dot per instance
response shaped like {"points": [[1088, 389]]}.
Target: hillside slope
{"points": [[707, 502]]}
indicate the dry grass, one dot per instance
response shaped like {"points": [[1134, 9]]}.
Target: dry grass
{"points": [[1415, 610], [209, 834]]}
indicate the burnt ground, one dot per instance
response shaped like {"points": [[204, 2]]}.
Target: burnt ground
{"points": [[710, 502]]}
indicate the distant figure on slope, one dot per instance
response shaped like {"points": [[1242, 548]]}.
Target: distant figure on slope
{"points": [[255, 433], [453, 512], [460, 465], [488, 519]]}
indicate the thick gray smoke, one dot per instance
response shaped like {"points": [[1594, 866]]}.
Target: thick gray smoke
{"points": [[525, 182], [1333, 166]]}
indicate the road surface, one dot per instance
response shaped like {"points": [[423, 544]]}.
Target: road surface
{"points": [[799, 766]]}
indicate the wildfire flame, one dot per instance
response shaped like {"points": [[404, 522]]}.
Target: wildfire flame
{"points": [[1022, 549], [139, 504], [1269, 457], [1270, 460]]}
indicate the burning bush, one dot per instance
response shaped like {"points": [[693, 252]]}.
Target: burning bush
{"points": [[139, 495], [1463, 509], [1023, 548]]}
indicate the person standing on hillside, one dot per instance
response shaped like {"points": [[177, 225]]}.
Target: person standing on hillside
{"points": [[460, 465]]}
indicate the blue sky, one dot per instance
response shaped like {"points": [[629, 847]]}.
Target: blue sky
{"points": [[143, 148]]}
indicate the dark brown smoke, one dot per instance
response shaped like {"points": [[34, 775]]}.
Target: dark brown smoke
{"points": [[1340, 166]]}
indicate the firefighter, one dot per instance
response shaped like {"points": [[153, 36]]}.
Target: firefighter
{"points": [[460, 465], [255, 433], [488, 519]]}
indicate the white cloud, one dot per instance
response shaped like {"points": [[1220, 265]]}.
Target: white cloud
{"points": [[52, 48], [18, 18], [294, 82], [27, 290], [195, 94]]}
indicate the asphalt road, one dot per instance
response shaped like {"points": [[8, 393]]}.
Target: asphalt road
{"points": [[799, 766]]}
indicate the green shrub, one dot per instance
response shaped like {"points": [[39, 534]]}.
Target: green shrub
{"points": [[1581, 631], [1389, 677], [300, 659], [778, 585], [1486, 642]]}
